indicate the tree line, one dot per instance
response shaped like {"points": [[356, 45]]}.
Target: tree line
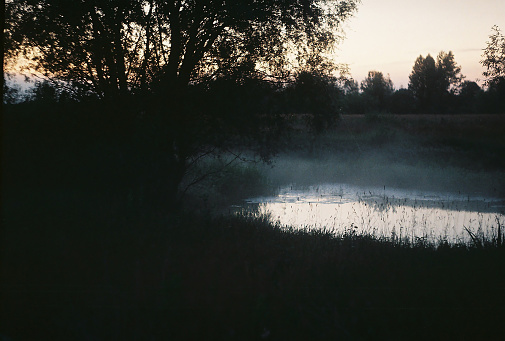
{"points": [[435, 86]]}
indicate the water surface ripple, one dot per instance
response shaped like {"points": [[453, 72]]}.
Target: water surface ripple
{"points": [[383, 212]]}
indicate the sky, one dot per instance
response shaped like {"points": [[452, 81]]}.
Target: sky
{"points": [[388, 35]]}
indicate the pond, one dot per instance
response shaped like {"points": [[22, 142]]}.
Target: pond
{"points": [[383, 212]]}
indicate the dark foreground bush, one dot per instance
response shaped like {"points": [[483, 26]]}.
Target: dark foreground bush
{"points": [[77, 272]]}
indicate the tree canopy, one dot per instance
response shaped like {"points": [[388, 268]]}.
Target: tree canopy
{"points": [[199, 73], [378, 87], [494, 58], [431, 81], [116, 47]]}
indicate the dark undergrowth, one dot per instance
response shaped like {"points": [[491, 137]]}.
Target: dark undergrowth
{"points": [[83, 259], [105, 271]]}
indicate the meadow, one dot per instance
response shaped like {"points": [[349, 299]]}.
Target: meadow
{"points": [[81, 261]]}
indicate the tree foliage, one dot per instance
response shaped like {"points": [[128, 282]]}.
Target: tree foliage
{"points": [[494, 58], [423, 79], [468, 96], [115, 47], [11, 92], [378, 87], [432, 81], [187, 65], [402, 101], [315, 96], [449, 73]]}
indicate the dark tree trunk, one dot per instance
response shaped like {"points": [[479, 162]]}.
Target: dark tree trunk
{"points": [[164, 156]]}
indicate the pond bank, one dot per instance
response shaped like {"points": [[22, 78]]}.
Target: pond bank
{"points": [[244, 279]]}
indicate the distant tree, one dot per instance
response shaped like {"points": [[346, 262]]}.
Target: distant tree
{"points": [[469, 88], [44, 91], [378, 88], [402, 101], [352, 100], [350, 85], [449, 73], [344, 80], [165, 57], [433, 82], [11, 92], [468, 97], [47, 92], [423, 80], [355, 103], [494, 61], [494, 58], [317, 96]]}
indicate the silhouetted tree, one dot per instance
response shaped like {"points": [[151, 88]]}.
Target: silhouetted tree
{"points": [[161, 54], [423, 80], [494, 57], [344, 81], [44, 91], [352, 101], [402, 101], [355, 103], [468, 97], [3, 44], [125, 46], [317, 96], [349, 86], [433, 82], [378, 88], [10, 92], [449, 73], [494, 61]]}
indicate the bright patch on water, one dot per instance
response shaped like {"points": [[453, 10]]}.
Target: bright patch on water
{"points": [[383, 212]]}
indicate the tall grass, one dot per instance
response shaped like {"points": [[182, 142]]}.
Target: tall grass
{"points": [[238, 278]]}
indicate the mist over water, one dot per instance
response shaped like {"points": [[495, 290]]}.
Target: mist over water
{"points": [[383, 212], [429, 177], [389, 192]]}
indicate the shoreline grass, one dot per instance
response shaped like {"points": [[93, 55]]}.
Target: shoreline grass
{"points": [[239, 278]]}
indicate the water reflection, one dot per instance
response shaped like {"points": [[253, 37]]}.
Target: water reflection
{"points": [[383, 212]]}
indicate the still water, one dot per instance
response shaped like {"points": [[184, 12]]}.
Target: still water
{"points": [[383, 212]]}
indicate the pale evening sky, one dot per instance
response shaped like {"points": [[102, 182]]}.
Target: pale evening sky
{"points": [[388, 35]]}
